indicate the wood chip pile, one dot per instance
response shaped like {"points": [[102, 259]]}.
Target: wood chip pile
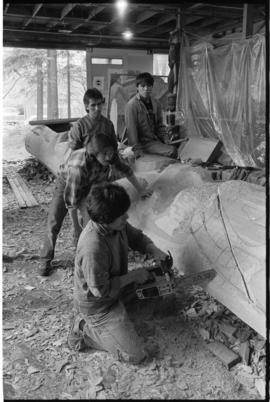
{"points": [[32, 169], [229, 338]]}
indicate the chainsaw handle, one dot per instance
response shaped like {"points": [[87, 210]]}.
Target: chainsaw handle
{"points": [[151, 277]]}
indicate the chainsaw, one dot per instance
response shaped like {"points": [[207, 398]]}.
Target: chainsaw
{"points": [[163, 282]]}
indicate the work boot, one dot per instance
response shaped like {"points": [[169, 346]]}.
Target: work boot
{"points": [[45, 268], [75, 337]]}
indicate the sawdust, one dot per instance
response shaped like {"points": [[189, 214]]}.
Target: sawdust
{"points": [[36, 313]]}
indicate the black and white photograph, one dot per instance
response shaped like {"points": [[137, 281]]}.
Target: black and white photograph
{"points": [[135, 179]]}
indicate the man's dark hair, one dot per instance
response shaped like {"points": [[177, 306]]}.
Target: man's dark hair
{"points": [[92, 93], [106, 202], [144, 78], [99, 142]]}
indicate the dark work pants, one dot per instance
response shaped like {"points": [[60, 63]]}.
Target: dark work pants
{"points": [[112, 330], [56, 215]]}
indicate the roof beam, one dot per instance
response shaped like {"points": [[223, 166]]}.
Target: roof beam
{"points": [[215, 13], [90, 16], [6, 8], [162, 30], [116, 17], [166, 18], [145, 15], [31, 43], [66, 10], [208, 33], [48, 40], [161, 21], [208, 22], [78, 36], [190, 19], [35, 11], [148, 6], [52, 21], [220, 6]]}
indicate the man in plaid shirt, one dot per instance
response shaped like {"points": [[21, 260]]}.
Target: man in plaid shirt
{"points": [[84, 167]]}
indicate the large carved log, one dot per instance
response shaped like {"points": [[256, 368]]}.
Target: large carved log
{"points": [[46, 145], [210, 225], [219, 225]]}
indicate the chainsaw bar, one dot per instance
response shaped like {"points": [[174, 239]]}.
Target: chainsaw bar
{"points": [[194, 279], [162, 287]]}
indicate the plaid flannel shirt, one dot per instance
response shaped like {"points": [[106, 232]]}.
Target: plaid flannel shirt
{"points": [[82, 170]]}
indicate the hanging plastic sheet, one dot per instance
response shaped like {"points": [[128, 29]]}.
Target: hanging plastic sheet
{"points": [[222, 94]]}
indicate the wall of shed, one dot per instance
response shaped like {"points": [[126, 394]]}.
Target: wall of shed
{"points": [[133, 61]]}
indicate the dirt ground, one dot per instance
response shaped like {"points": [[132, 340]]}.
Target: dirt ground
{"points": [[37, 363]]}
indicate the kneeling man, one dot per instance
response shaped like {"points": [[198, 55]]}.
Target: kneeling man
{"points": [[101, 276]]}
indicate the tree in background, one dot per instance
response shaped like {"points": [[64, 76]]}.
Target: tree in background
{"points": [[68, 86], [29, 76], [52, 90], [23, 69], [40, 83]]}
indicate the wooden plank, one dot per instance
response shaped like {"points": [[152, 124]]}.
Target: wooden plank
{"points": [[23, 194], [19, 189], [30, 197], [225, 354], [17, 193], [205, 149]]}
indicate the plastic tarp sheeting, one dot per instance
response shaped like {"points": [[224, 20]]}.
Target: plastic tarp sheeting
{"points": [[222, 94]]}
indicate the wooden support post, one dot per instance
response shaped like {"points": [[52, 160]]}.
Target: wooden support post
{"points": [[247, 21], [89, 78], [177, 49]]}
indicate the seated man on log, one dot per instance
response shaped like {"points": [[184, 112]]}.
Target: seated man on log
{"points": [[84, 167], [102, 283], [146, 132]]}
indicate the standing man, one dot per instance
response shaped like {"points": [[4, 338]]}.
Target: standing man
{"points": [[80, 135], [86, 166], [143, 116], [101, 277]]}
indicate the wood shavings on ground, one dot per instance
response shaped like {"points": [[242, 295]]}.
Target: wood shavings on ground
{"points": [[36, 316]]}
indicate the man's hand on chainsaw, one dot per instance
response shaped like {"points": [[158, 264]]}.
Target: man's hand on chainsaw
{"points": [[140, 275], [158, 254]]}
